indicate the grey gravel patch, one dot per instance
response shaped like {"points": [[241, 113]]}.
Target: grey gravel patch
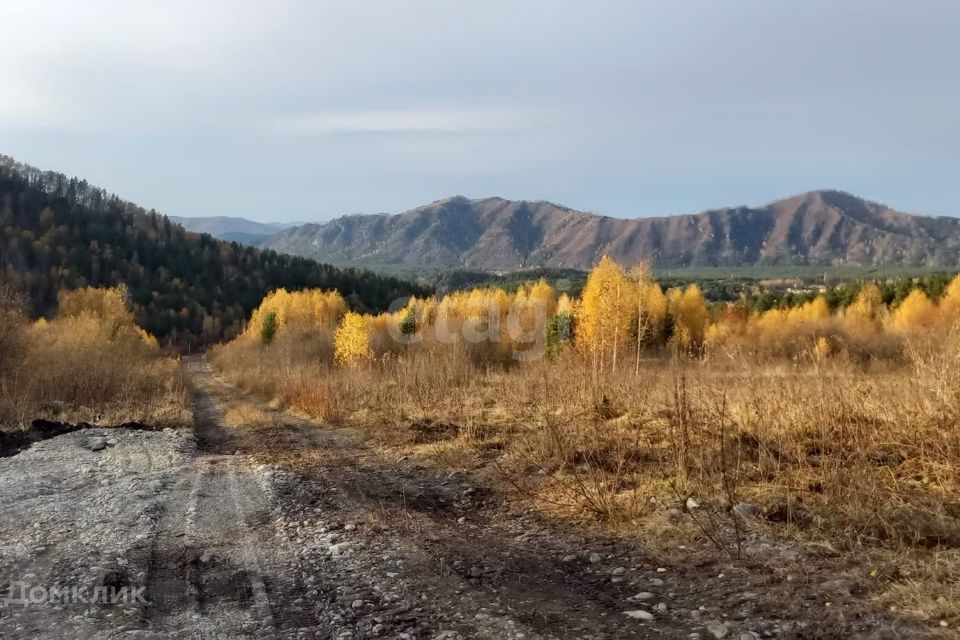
{"points": [[77, 514]]}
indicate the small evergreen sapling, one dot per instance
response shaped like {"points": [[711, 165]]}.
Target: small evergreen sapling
{"points": [[269, 328]]}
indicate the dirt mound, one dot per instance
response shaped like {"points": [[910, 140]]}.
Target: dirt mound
{"points": [[15, 442], [12, 443]]}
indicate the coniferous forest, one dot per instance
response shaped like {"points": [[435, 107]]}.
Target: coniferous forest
{"points": [[59, 233]]}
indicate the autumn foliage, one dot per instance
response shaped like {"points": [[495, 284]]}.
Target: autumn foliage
{"points": [[352, 341], [621, 317], [297, 311], [866, 329], [91, 358]]}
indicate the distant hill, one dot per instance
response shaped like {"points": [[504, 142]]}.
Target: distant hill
{"points": [[494, 234], [232, 229], [186, 288]]}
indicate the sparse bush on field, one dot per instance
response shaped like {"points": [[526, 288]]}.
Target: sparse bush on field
{"points": [[91, 359], [856, 451]]}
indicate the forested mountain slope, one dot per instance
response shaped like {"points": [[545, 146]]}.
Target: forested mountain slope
{"points": [[61, 233]]}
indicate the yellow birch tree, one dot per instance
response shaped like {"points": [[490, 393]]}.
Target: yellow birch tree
{"points": [[605, 314], [915, 314], [950, 303], [351, 341], [689, 309]]}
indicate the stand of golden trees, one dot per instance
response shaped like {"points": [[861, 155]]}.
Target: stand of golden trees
{"points": [[620, 316], [867, 328]]}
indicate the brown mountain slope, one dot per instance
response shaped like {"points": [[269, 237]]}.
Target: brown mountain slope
{"points": [[820, 227]]}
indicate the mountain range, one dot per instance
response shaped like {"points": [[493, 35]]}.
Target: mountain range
{"points": [[495, 234], [232, 229]]}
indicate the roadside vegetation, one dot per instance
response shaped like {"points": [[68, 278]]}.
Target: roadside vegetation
{"points": [[656, 414], [90, 359]]}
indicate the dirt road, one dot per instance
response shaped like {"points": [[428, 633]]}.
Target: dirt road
{"points": [[286, 528]]}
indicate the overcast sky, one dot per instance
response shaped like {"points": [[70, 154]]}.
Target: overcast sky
{"points": [[287, 110]]}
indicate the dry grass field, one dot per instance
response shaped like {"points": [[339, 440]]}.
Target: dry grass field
{"points": [[863, 460]]}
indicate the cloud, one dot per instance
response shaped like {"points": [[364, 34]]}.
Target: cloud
{"points": [[458, 120]]}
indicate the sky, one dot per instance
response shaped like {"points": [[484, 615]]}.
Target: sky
{"points": [[289, 110]]}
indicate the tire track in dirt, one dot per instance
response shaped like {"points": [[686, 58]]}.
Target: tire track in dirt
{"points": [[204, 572], [251, 560], [171, 586]]}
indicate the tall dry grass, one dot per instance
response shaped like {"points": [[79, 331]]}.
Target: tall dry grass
{"points": [[867, 452]]}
